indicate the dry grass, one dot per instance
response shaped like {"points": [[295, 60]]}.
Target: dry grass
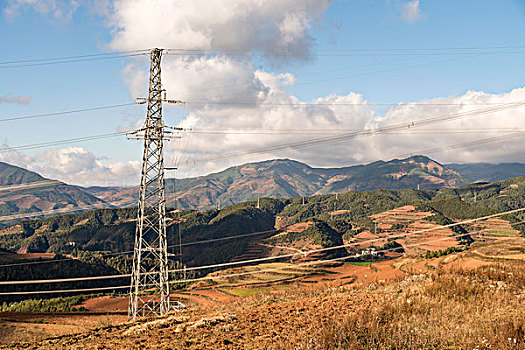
{"points": [[477, 308], [461, 309]]}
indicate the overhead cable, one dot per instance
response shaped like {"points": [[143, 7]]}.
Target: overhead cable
{"points": [[365, 132], [89, 109], [274, 257]]}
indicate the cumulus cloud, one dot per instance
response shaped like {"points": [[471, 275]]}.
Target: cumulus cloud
{"points": [[9, 98], [75, 165], [411, 12], [58, 9], [268, 25], [14, 157], [211, 85], [336, 114], [333, 115]]}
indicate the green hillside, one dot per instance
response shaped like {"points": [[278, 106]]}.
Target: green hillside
{"points": [[112, 230], [101, 232]]}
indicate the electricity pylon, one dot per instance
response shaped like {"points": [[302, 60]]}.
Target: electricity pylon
{"points": [[150, 255]]}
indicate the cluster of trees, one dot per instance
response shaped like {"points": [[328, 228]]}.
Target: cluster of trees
{"points": [[60, 304], [440, 253], [393, 246], [319, 233]]}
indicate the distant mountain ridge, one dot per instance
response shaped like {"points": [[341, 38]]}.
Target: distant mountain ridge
{"points": [[272, 178], [25, 191], [289, 178], [13, 175], [485, 172]]}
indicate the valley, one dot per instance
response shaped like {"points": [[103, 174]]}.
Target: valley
{"points": [[328, 259]]}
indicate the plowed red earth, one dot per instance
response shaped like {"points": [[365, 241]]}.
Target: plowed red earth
{"points": [[247, 325], [278, 319]]}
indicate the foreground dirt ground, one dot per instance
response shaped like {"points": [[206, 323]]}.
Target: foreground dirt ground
{"points": [[470, 300], [466, 300], [461, 309]]}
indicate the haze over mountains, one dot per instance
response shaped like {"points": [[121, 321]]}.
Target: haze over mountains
{"points": [[25, 191]]}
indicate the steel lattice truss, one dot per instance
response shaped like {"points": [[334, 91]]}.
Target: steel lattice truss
{"points": [[150, 258]]}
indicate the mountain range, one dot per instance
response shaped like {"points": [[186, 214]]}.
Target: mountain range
{"points": [[289, 178], [23, 191]]}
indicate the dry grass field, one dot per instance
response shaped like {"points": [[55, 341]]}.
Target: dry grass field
{"points": [[473, 299], [473, 308]]}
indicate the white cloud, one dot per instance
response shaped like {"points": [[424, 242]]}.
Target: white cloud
{"points": [[61, 10], [9, 98], [357, 114], [281, 26], [75, 165], [71, 160], [411, 12], [335, 113], [275, 25], [267, 26], [14, 157]]}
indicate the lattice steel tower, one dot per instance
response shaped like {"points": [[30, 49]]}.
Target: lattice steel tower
{"points": [[150, 257]]}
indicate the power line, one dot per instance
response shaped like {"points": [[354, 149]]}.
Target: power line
{"points": [[65, 290], [322, 261], [349, 244], [74, 210], [48, 212], [59, 61], [330, 104], [340, 137], [365, 132], [61, 142], [337, 53], [62, 211], [263, 270], [392, 69], [33, 116], [229, 237], [426, 51], [60, 280], [11, 188], [342, 131], [467, 144], [274, 257], [449, 147], [116, 53], [130, 251]]}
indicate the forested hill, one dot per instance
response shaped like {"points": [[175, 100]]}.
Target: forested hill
{"points": [[25, 191], [112, 230]]}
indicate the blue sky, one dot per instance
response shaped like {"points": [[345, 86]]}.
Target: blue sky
{"points": [[447, 23], [45, 28]]}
